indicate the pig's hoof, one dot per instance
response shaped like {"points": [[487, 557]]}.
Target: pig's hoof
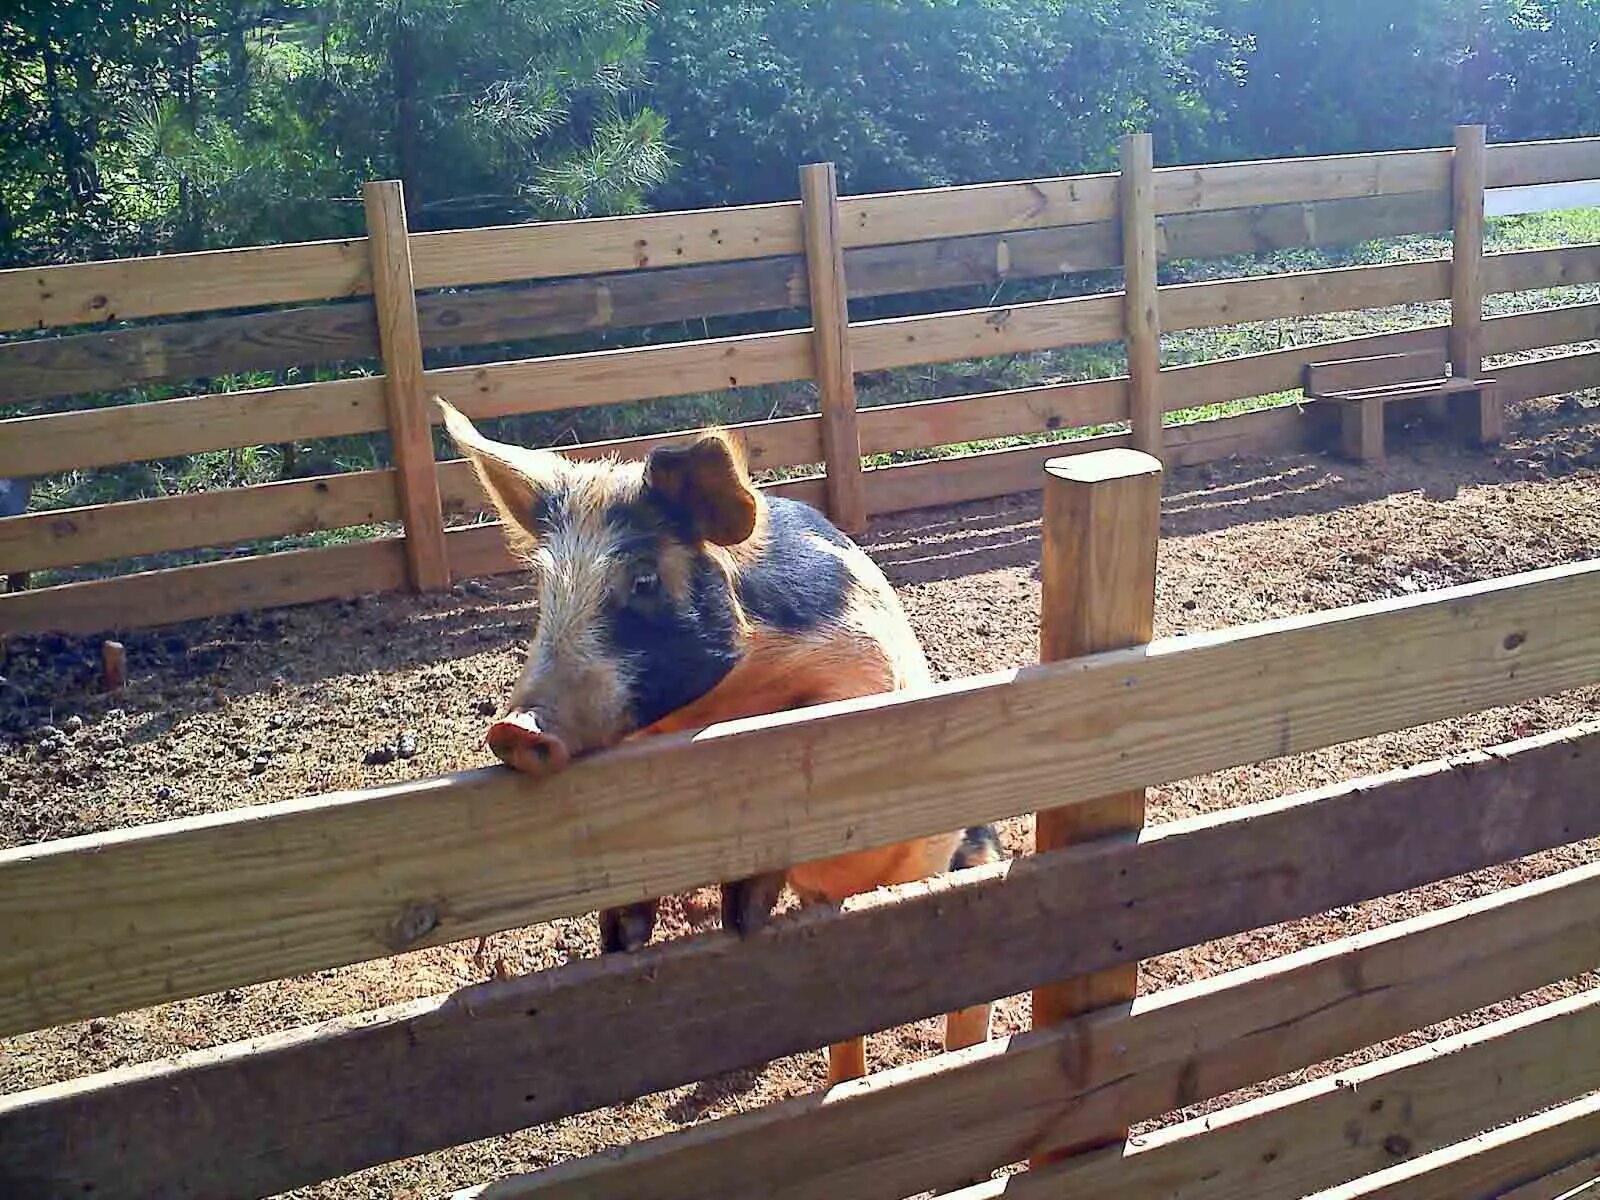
{"points": [[747, 903], [627, 929]]}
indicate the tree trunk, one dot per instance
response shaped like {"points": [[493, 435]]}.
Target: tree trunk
{"points": [[407, 118]]}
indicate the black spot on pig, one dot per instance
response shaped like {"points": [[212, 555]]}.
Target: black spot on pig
{"points": [[796, 585]]}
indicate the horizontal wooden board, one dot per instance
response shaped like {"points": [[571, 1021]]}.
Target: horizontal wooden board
{"points": [[99, 437], [232, 1121], [122, 289], [1303, 294], [66, 537], [311, 335], [935, 1123], [207, 590], [1358, 1121], [1520, 164], [1550, 376], [1538, 1158], [1267, 227], [1287, 181], [109, 922], [182, 350], [1528, 270], [884, 218], [1546, 327], [1341, 375], [614, 376], [1031, 410], [596, 245], [960, 478], [978, 333]]}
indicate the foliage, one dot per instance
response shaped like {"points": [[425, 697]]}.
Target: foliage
{"points": [[909, 93]]}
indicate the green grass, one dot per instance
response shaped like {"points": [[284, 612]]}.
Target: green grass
{"points": [[237, 468]]}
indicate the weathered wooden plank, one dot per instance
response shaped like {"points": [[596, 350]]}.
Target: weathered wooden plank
{"points": [[831, 347], [1550, 376], [1302, 294], [890, 217], [1324, 1134], [614, 376], [1287, 181], [935, 1123], [1097, 568], [66, 537], [1341, 375], [992, 473], [1041, 409], [1547, 327], [102, 362], [410, 411], [978, 333], [1141, 318], [520, 1051], [1520, 164], [1538, 1158], [1266, 227], [122, 289], [207, 590], [108, 922], [98, 437], [597, 245], [1466, 270], [1528, 270]]}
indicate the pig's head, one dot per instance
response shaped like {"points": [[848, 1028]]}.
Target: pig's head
{"points": [[638, 613]]}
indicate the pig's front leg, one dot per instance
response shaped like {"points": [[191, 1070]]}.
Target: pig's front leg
{"points": [[627, 928], [747, 903]]}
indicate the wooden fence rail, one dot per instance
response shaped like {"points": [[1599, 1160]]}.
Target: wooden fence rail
{"points": [[611, 273], [108, 922], [238, 1120]]}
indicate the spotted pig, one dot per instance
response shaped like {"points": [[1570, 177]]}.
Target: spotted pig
{"points": [[673, 595]]}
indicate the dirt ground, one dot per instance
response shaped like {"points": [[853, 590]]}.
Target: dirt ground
{"points": [[275, 706]]}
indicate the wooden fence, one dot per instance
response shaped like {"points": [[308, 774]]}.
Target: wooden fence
{"points": [[394, 296], [107, 922]]}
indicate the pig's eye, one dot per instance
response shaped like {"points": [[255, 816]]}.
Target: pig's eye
{"points": [[646, 585]]}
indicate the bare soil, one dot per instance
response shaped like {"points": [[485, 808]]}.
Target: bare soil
{"points": [[274, 706]]}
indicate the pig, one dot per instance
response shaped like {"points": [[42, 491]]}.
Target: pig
{"points": [[674, 595]]}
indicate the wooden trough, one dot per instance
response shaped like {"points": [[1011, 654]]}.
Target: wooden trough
{"points": [[115, 921]]}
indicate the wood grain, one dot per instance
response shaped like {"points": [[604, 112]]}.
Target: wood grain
{"points": [[979, 333], [183, 350], [1547, 327], [1466, 269], [1141, 319], [1324, 1134], [884, 218], [207, 590], [410, 409], [239, 1120], [122, 289], [1097, 566], [1529, 270], [1042, 409], [114, 921], [931, 1124], [597, 245], [99, 437], [1302, 294], [65, 537], [1519, 164], [1549, 376], [831, 347], [1286, 181], [1501, 1164]]}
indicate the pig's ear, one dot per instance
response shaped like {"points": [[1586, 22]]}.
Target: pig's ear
{"points": [[707, 479], [515, 479]]}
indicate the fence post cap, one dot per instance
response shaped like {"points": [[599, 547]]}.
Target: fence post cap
{"points": [[1100, 465]]}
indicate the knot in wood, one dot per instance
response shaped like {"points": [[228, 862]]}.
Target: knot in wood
{"points": [[416, 920]]}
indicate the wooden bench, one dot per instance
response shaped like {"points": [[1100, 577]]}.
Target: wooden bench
{"points": [[1365, 387]]}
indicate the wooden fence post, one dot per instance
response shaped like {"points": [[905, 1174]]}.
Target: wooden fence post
{"points": [[1141, 319], [1469, 177], [410, 425], [830, 334], [1102, 522]]}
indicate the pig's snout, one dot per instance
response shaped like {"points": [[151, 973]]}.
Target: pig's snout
{"points": [[519, 742]]}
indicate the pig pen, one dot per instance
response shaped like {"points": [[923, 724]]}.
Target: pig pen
{"points": [[278, 705]]}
